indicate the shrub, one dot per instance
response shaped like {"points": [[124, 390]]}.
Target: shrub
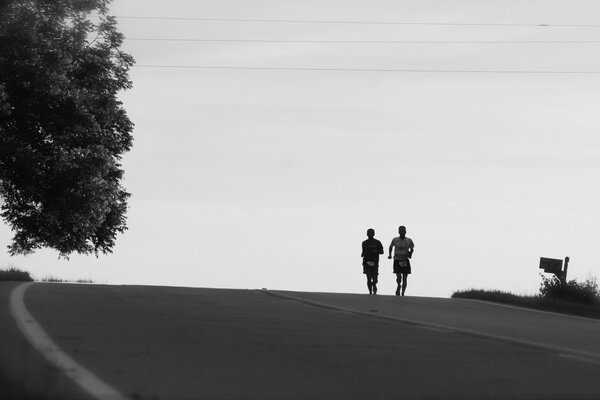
{"points": [[579, 292], [14, 274]]}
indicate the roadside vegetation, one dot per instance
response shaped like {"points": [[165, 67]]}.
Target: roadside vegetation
{"points": [[572, 297], [60, 280], [14, 274]]}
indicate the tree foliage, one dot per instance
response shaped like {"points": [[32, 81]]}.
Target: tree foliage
{"points": [[63, 130]]}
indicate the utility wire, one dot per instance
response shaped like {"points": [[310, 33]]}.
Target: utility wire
{"points": [[463, 71], [371, 41], [353, 22]]}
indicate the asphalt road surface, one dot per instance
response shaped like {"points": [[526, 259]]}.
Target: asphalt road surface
{"points": [[184, 343]]}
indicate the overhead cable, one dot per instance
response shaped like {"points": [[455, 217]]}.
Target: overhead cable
{"points": [[371, 41], [356, 22], [407, 70]]}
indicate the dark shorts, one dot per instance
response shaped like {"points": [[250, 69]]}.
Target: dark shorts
{"points": [[370, 270], [402, 267]]}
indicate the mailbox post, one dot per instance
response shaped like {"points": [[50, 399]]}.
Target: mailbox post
{"points": [[555, 266], [565, 270]]}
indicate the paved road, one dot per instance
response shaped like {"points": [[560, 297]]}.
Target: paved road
{"points": [[573, 336], [181, 343]]}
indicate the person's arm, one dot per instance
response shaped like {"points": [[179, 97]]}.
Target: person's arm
{"points": [[390, 249], [411, 249], [380, 248]]}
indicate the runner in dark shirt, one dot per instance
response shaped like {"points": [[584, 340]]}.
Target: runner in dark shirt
{"points": [[371, 249]]}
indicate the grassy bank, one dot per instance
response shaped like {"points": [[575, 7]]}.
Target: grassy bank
{"points": [[540, 302]]}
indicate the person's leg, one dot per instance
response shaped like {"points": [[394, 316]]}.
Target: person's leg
{"points": [[374, 283], [404, 283], [399, 282], [369, 283]]}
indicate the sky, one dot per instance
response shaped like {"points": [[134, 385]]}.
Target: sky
{"points": [[265, 145]]}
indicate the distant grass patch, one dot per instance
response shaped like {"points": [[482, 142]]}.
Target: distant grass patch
{"points": [[53, 279], [60, 280], [14, 274]]}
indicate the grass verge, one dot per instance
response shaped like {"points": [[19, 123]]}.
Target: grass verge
{"points": [[536, 302]]}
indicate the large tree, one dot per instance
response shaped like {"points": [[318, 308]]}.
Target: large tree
{"points": [[63, 130]]}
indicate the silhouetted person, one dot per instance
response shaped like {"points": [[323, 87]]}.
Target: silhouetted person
{"points": [[403, 249], [371, 249]]}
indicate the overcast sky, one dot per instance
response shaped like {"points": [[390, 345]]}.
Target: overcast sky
{"points": [[268, 170]]}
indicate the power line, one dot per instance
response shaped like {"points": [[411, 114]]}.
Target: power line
{"points": [[354, 22], [370, 41], [445, 71]]}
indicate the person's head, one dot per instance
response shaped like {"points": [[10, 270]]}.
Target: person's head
{"points": [[370, 233], [402, 231]]}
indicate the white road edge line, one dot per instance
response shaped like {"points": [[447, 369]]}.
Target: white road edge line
{"points": [[41, 341], [580, 355]]}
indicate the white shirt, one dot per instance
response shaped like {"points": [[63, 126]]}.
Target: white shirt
{"points": [[401, 247]]}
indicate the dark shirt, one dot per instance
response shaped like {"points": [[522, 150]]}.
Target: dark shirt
{"points": [[371, 249]]}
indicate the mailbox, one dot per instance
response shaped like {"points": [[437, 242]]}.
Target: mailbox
{"points": [[551, 265]]}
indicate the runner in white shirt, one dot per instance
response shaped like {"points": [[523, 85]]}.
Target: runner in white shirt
{"points": [[403, 250]]}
